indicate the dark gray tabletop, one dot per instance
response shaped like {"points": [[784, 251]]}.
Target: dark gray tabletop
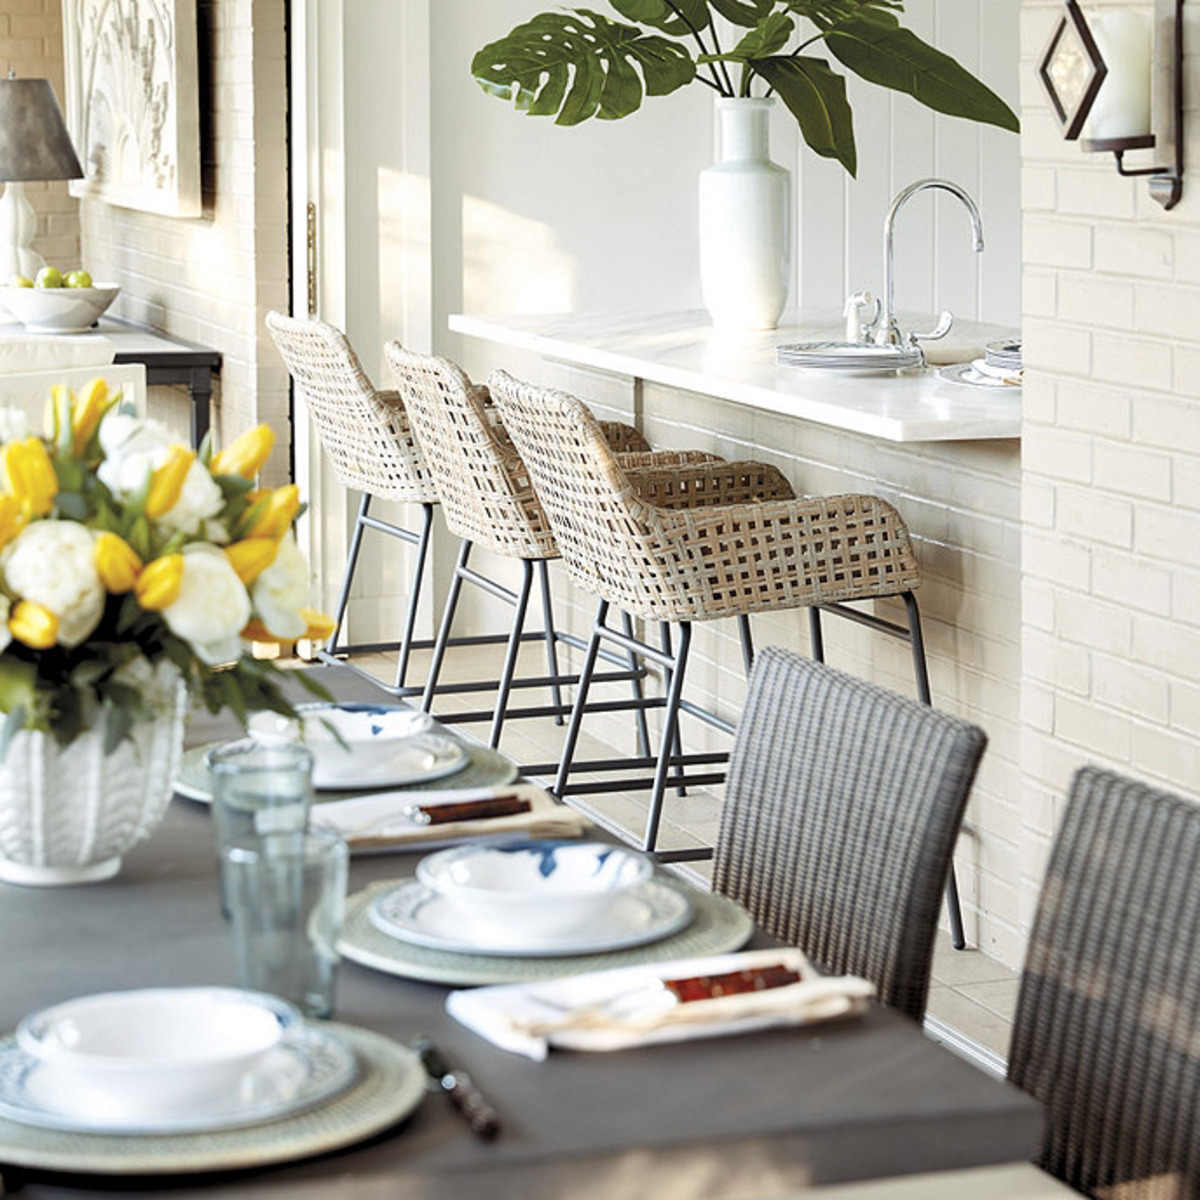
{"points": [[741, 1116]]}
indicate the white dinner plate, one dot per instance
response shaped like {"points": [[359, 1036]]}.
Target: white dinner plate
{"points": [[417, 914], [965, 373], [308, 1067]]}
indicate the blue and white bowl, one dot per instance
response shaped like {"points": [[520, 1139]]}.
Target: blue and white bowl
{"points": [[537, 887]]}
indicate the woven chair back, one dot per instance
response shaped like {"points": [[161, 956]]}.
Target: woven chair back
{"points": [[842, 806], [486, 493], [1107, 1028], [712, 540], [365, 433]]}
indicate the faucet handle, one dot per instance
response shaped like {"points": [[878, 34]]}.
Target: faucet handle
{"points": [[858, 330], [945, 321]]}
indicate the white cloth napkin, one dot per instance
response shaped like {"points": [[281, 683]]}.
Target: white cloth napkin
{"points": [[379, 821], [614, 1010]]}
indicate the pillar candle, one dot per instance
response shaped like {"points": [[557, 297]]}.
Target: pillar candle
{"points": [[1122, 106]]}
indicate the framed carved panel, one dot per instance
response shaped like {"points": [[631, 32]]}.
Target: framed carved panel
{"points": [[132, 102]]}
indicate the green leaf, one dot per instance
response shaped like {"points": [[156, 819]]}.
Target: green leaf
{"points": [[580, 65], [679, 19], [876, 47], [816, 97], [72, 506], [118, 721], [746, 13], [768, 38], [17, 680]]}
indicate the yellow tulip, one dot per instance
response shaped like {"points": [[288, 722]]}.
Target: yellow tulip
{"points": [[251, 557], [117, 563], [90, 405], [58, 411], [31, 477], [12, 519], [158, 585], [246, 454], [33, 626], [166, 483], [276, 511], [319, 628]]}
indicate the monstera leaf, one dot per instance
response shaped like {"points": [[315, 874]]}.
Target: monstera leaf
{"points": [[874, 45], [580, 64], [816, 97], [678, 18]]}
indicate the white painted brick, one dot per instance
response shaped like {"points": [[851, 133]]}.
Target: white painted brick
{"points": [[1106, 303], [1087, 191], [1131, 688], [1119, 358], [1055, 559], [1090, 515], [1170, 534], [1045, 659], [1167, 310], [1066, 456], [1083, 723], [1050, 242], [1129, 580], [1132, 250], [1085, 407], [1165, 644], [1167, 757], [1132, 471], [1166, 423]]}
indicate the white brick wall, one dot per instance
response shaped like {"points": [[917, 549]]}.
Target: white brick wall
{"points": [[1111, 458]]}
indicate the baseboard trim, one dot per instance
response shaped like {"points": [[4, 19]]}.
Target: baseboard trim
{"points": [[965, 1047]]}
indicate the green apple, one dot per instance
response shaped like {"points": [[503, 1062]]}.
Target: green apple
{"points": [[78, 279], [20, 281], [49, 277]]}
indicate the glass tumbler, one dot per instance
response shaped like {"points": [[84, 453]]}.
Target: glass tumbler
{"points": [[287, 905]]}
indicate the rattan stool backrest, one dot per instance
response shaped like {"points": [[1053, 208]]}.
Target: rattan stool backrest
{"points": [[364, 432], [842, 806], [485, 491], [1107, 1029]]}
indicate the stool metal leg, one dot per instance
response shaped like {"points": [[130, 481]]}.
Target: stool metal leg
{"points": [[664, 636], [356, 538], [669, 730], [815, 636], [747, 639], [510, 655], [551, 638], [414, 597], [921, 671], [581, 691], [643, 729], [443, 636]]}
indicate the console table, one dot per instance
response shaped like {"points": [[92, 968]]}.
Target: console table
{"points": [[168, 360]]}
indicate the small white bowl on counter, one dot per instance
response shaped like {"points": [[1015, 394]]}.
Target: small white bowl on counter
{"points": [[61, 309], [540, 887]]}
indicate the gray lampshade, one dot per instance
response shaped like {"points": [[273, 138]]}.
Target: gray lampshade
{"points": [[34, 143]]}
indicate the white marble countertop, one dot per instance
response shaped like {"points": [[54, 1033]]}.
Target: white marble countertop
{"points": [[682, 350]]}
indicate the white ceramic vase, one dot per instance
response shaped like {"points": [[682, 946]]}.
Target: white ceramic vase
{"points": [[68, 813], [745, 214]]}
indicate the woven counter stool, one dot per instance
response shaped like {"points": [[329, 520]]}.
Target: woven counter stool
{"points": [[698, 542], [488, 501]]}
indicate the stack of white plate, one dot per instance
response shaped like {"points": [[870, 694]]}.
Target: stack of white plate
{"points": [[849, 358], [1004, 356]]}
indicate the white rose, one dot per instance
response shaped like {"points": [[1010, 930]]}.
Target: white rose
{"points": [[212, 607], [281, 590], [133, 448], [53, 564], [5, 610], [14, 424]]}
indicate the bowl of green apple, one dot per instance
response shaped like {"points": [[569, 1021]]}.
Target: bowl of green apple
{"points": [[58, 302]]}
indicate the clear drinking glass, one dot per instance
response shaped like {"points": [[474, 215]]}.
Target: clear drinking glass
{"points": [[287, 905], [260, 790]]}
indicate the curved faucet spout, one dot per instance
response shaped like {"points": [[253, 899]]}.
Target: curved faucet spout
{"points": [[888, 331]]}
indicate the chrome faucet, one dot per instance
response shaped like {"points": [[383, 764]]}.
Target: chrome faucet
{"points": [[887, 330]]}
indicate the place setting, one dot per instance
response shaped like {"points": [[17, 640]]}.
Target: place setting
{"points": [[505, 910], [186, 1079]]}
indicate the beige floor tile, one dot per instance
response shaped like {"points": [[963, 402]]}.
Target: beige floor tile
{"points": [[978, 1023], [958, 967], [999, 998]]}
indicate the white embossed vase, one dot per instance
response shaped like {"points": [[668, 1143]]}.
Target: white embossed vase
{"points": [[745, 214], [68, 813]]}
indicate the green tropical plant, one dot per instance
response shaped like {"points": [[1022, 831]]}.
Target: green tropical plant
{"points": [[577, 64]]}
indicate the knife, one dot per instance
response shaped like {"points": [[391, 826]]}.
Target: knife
{"points": [[459, 1090]]}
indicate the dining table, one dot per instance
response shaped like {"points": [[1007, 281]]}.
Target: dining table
{"points": [[761, 1113]]}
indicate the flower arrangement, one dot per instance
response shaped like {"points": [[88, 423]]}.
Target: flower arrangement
{"points": [[129, 562], [577, 64]]}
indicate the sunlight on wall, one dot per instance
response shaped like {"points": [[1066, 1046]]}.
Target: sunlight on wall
{"points": [[512, 264], [405, 254]]}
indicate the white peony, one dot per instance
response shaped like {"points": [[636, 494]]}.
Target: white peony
{"points": [[14, 424], [52, 563], [281, 590], [133, 448], [212, 607], [157, 682]]}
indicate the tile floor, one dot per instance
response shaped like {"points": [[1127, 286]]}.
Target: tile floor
{"points": [[972, 998]]}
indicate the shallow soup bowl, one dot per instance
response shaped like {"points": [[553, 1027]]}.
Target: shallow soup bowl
{"points": [[539, 887], [154, 1051]]}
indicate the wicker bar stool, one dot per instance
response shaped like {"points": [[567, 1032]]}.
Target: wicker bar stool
{"points": [[696, 543], [488, 501]]}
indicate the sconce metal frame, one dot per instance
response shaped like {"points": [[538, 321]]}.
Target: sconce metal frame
{"points": [[1165, 181]]}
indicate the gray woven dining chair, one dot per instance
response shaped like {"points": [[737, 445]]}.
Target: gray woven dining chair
{"points": [[365, 434], [1107, 1028], [488, 501], [842, 806], [697, 543]]}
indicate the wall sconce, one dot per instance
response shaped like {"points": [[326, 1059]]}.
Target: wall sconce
{"points": [[1119, 82], [34, 146]]}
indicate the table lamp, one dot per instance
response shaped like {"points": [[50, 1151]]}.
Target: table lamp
{"points": [[34, 145]]}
